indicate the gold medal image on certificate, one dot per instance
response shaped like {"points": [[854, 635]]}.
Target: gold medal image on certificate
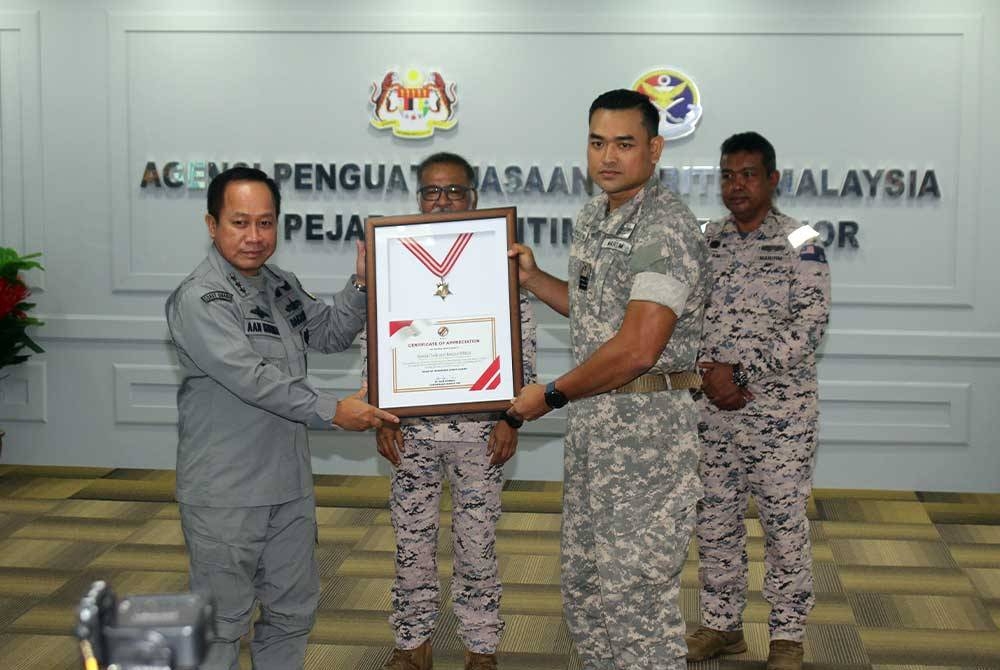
{"points": [[444, 307]]}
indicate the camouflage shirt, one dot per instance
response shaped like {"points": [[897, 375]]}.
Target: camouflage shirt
{"points": [[769, 306], [637, 444], [649, 248], [466, 427]]}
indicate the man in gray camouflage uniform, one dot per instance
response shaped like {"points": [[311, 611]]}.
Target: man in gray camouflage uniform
{"points": [[768, 309], [635, 298], [470, 450], [244, 479]]}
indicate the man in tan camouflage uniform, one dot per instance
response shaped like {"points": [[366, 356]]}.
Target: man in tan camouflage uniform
{"points": [[471, 451], [766, 316], [635, 298]]}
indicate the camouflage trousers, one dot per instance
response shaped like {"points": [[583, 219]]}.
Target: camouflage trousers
{"points": [[415, 511], [622, 555], [770, 457]]}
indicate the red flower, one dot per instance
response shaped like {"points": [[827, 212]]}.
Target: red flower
{"points": [[11, 295]]}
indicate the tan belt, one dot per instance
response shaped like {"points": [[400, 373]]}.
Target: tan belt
{"points": [[657, 381]]}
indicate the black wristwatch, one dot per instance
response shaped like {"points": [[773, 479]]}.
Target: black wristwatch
{"points": [[512, 420], [554, 398], [740, 376]]}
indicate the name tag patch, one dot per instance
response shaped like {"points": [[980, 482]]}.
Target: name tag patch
{"points": [[617, 244], [257, 327]]}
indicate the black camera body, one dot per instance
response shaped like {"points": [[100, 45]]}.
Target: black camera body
{"points": [[151, 632]]}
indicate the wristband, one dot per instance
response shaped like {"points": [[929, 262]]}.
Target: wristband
{"points": [[511, 420]]}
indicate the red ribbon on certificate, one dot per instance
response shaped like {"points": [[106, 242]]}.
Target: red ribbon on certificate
{"points": [[490, 379], [442, 268]]}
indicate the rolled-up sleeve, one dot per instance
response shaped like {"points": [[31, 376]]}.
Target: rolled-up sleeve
{"points": [[663, 289]]}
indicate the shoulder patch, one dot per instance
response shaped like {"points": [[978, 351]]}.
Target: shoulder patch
{"points": [[645, 256], [212, 296], [813, 252]]}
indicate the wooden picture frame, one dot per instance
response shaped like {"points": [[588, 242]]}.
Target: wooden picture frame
{"points": [[444, 321]]}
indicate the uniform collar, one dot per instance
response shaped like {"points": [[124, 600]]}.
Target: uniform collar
{"points": [[610, 222], [768, 225], [234, 277]]}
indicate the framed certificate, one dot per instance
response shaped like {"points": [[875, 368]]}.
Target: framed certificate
{"points": [[444, 326]]}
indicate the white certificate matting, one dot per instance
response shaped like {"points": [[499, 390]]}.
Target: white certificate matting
{"points": [[443, 313]]}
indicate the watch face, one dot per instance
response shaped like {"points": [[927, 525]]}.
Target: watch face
{"points": [[554, 398]]}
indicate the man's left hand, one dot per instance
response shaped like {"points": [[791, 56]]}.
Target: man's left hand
{"points": [[530, 404], [502, 443], [717, 384]]}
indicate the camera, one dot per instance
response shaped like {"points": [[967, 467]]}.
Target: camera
{"points": [[147, 632]]}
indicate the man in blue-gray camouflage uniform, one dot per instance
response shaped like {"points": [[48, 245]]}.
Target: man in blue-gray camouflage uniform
{"points": [[766, 316], [470, 451], [244, 479], [635, 298]]}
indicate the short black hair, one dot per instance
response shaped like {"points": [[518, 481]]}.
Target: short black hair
{"points": [[623, 98], [448, 158], [752, 143], [217, 189]]}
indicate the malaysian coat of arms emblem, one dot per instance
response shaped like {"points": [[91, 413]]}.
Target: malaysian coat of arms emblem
{"points": [[413, 105]]}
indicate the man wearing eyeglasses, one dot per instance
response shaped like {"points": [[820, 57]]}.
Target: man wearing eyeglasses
{"points": [[470, 450]]}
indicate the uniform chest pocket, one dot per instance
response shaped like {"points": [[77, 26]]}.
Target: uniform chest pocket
{"points": [[771, 286], [611, 285], [263, 333], [271, 348]]}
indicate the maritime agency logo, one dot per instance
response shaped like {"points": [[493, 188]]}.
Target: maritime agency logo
{"points": [[413, 104], [676, 97]]}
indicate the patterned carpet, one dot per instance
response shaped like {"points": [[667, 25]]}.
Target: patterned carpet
{"points": [[905, 580]]}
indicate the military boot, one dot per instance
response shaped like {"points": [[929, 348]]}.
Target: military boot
{"points": [[707, 643], [474, 661], [411, 659], [785, 655]]}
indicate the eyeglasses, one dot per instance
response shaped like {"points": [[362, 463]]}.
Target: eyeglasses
{"points": [[451, 191]]}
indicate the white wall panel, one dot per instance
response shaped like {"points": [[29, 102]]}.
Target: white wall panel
{"points": [[21, 211], [146, 394], [903, 413], [23, 393]]}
